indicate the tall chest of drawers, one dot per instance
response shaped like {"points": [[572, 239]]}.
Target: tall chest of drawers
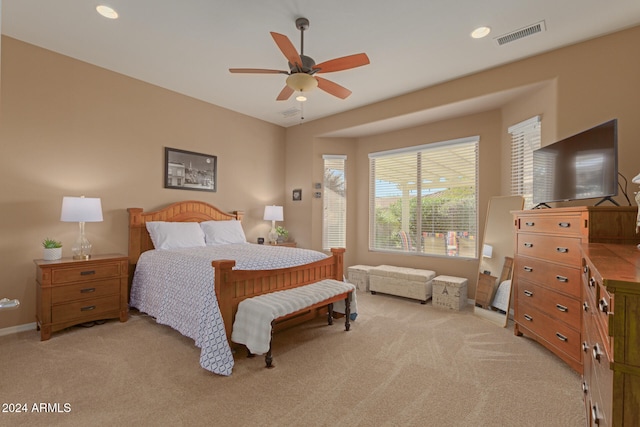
{"points": [[611, 339], [547, 271], [70, 292]]}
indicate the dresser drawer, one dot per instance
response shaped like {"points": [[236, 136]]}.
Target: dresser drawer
{"points": [[569, 224], [86, 308], [85, 273], [563, 250], [560, 278], [559, 335], [80, 291], [558, 306]]}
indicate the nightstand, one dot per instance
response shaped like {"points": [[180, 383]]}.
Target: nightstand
{"points": [[70, 292], [289, 244]]}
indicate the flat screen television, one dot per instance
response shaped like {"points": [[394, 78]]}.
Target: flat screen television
{"points": [[582, 166]]}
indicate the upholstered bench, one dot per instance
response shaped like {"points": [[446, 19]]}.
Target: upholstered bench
{"points": [[401, 281], [256, 316]]}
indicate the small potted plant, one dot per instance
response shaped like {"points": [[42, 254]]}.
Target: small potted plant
{"points": [[283, 234], [52, 249]]}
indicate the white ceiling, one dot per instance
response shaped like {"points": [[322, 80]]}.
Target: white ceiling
{"points": [[188, 45]]}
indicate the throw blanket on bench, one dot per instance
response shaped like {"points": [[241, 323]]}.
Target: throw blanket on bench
{"points": [[252, 326]]}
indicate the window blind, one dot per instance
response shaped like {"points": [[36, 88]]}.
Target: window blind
{"points": [[334, 202], [423, 199], [525, 138]]}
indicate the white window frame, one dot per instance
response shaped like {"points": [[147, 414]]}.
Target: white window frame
{"points": [[409, 178], [334, 204], [525, 139]]}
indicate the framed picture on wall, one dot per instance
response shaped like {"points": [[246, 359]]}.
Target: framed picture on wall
{"points": [[186, 170], [297, 194]]}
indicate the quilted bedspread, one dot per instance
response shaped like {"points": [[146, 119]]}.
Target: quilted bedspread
{"points": [[176, 287]]}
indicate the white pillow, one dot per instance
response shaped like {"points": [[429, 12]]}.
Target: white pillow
{"points": [[223, 232], [175, 235]]}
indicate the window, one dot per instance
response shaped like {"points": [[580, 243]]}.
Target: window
{"points": [[525, 137], [423, 199], [334, 203]]}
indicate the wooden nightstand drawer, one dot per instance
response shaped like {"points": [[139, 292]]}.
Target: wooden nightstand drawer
{"points": [[84, 273], [86, 290], [69, 291], [85, 309]]}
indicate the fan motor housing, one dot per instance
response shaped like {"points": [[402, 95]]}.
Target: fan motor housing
{"points": [[307, 65]]}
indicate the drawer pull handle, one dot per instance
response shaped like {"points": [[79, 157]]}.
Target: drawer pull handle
{"points": [[561, 337], [596, 352], [88, 308], [528, 293], [585, 269], [528, 269], [604, 307], [585, 306], [528, 245], [562, 250], [529, 318], [562, 308], [592, 281], [529, 223], [564, 224], [87, 273], [585, 346], [87, 290], [585, 387], [562, 279], [594, 414]]}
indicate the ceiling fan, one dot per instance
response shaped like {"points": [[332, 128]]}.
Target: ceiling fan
{"points": [[303, 69]]}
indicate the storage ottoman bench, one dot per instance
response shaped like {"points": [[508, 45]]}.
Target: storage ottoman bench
{"points": [[359, 276], [449, 292], [401, 281]]}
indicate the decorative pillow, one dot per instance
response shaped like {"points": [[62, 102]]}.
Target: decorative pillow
{"points": [[223, 232], [175, 235]]}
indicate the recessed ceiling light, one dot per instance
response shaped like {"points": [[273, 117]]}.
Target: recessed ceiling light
{"points": [[480, 32], [107, 12]]}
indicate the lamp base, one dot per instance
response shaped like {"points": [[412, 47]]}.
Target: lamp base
{"points": [[83, 257]]}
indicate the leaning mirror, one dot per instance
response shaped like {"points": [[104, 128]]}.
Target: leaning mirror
{"points": [[493, 289]]}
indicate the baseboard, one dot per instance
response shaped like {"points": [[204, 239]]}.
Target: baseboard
{"points": [[15, 329]]}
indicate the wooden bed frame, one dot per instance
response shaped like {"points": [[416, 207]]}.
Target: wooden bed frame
{"points": [[232, 286]]}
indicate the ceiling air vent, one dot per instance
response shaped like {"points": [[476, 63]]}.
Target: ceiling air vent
{"points": [[291, 112], [521, 33]]}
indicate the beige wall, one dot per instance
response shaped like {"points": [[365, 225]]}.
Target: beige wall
{"points": [[574, 88], [69, 128]]}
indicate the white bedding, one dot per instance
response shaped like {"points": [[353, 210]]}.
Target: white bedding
{"points": [[176, 287]]}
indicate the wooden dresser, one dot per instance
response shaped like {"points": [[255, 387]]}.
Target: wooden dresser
{"points": [[70, 292], [611, 338], [547, 271]]}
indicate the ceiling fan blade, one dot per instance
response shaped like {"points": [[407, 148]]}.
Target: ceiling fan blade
{"points": [[256, 71], [343, 63], [287, 48], [333, 88], [285, 93]]}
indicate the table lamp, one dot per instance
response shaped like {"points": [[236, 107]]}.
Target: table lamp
{"points": [[273, 214], [81, 209]]}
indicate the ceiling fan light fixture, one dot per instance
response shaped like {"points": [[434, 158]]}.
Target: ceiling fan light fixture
{"points": [[301, 98], [302, 82]]}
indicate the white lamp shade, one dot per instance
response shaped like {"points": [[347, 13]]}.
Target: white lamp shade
{"points": [[81, 209], [273, 213]]}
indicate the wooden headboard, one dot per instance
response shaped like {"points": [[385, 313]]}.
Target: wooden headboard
{"points": [[187, 211]]}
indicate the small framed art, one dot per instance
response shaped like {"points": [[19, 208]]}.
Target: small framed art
{"points": [[297, 194], [186, 170]]}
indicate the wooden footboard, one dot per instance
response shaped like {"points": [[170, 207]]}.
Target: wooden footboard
{"points": [[233, 286]]}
